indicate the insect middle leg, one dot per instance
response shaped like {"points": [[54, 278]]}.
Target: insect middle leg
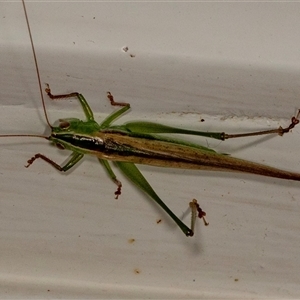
{"points": [[113, 102], [112, 175]]}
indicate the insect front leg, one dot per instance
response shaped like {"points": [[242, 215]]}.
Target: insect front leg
{"points": [[112, 175], [75, 158], [86, 108]]}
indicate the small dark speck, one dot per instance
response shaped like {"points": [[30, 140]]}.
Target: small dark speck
{"points": [[158, 221], [94, 18], [236, 279], [48, 290], [132, 55], [137, 271], [202, 120]]}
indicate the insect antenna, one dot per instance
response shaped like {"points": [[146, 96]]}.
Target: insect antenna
{"points": [[36, 64], [40, 86]]}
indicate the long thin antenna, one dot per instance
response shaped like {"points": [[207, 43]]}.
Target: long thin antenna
{"points": [[36, 65], [22, 135]]}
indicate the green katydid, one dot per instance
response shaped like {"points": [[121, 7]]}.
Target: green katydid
{"points": [[141, 142]]}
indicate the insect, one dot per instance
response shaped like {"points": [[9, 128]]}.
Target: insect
{"points": [[141, 142]]}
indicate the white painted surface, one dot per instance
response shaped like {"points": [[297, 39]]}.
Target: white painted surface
{"points": [[234, 64]]}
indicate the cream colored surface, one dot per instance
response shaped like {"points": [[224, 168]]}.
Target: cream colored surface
{"points": [[234, 64]]}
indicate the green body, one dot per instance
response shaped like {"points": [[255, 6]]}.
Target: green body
{"points": [[141, 143]]}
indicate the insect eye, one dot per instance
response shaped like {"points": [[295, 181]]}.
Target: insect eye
{"points": [[60, 146], [64, 125]]}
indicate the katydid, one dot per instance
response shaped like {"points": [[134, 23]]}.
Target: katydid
{"points": [[141, 142]]}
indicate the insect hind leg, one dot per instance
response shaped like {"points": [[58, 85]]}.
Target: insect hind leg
{"points": [[197, 212], [280, 131], [294, 122]]}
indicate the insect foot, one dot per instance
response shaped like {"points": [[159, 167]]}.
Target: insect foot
{"points": [[196, 211], [294, 122]]}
